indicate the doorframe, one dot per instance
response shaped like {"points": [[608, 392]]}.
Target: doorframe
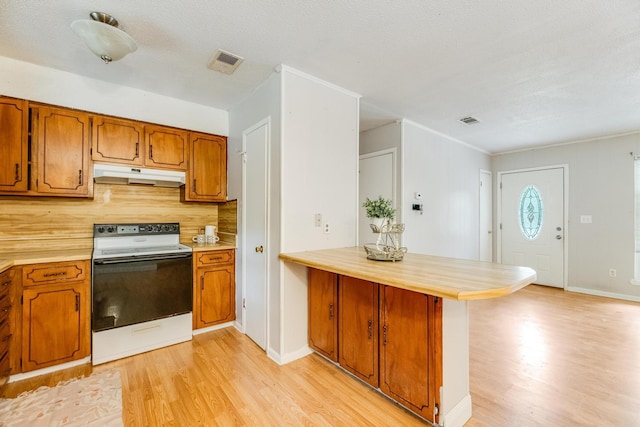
{"points": [[490, 174], [394, 191], [565, 225], [267, 249]]}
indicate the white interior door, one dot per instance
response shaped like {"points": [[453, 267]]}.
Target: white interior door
{"points": [[255, 244], [533, 220], [486, 218], [377, 178]]}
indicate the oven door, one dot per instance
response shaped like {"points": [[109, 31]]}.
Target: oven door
{"points": [[131, 290]]}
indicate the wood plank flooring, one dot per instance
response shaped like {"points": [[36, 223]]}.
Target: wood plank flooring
{"points": [[539, 357]]}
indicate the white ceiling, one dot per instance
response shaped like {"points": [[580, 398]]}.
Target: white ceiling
{"points": [[533, 72]]}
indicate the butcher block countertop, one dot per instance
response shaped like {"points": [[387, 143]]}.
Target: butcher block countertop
{"points": [[9, 259], [443, 277]]}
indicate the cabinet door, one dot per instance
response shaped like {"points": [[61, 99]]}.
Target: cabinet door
{"points": [[358, 323], [323, 313], [55, 326], [117, 141], [215, 296], [411, 349], [166, 148], [207, 173], [14, 143], [62, 152]]}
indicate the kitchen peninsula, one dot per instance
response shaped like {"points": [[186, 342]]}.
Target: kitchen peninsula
{"points": [[402, 327]]}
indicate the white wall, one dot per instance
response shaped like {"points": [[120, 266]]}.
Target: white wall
{"points": [[319, 175], [447, 175], [264, 102], [36, 83], [601, 175]]}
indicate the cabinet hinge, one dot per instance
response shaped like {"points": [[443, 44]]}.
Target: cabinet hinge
{"points": [[244, 303], [500, 226], [501, 185], [436, 299]]}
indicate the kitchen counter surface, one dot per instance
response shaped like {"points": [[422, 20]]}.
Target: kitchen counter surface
{"points": [[444, 277], [199, 247], [9, 259]]}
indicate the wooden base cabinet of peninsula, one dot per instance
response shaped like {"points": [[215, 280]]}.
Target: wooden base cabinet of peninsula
{"points": [[358, 328], [6, 308], [323, 313], [55, 313], [389, 337], [214, 296], [411, 349]]}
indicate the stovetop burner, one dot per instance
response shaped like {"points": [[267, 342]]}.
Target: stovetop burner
{"points": [[137, 239]]}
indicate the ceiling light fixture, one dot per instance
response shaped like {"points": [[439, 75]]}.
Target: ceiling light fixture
{"points": [[102, 36]]}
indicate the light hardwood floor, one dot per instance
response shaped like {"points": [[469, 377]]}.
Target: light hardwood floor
{"points": [[541, 356]]}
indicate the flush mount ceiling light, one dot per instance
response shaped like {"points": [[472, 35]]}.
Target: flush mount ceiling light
{"points": [[102, 36]]}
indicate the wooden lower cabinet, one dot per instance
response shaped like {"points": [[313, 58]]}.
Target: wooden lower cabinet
{"points": [[6, 308], [358, 328], [389, 337], [215, 288], [323, 313], [56, 314], [411, 349]]}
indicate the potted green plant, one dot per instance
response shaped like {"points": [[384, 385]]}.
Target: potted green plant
{"points": [[381, 211]]}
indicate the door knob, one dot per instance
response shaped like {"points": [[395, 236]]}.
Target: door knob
{"points": [[259, 249], [558, 237]]}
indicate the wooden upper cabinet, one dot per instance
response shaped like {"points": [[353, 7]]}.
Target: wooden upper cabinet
{"points": [[166, 148], [61, 151], [117, 141], [411, 349], [14, 145], [207, 172]]}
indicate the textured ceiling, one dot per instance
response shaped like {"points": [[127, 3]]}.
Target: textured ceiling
{"points": [[532, 72]]}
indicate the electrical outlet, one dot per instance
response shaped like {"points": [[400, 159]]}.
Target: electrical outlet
{"points": [[326, 229], [612, 272]]}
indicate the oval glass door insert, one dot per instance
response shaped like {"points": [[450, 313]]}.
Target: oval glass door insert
{"points": [[530, 212]]}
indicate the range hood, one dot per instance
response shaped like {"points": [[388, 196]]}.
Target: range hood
{"points": [[113, 174]]}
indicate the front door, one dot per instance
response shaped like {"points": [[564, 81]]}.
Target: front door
{"points": [[533, 222], [255, 243]]}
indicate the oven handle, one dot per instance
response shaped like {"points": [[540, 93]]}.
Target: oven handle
{"points": [[156, 257]]}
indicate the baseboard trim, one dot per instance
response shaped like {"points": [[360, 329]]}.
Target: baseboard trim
{"points": [[459, 414], [37, 372], [212, 328], [604, 294]]}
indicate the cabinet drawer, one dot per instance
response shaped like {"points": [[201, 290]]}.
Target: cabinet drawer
{"points": [[5, 307], [39, 274], [215, 257], [5, 282], [5, 368], [5, 334]]}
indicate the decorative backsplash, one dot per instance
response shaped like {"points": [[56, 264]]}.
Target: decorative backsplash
{"points": [[37, 223]]}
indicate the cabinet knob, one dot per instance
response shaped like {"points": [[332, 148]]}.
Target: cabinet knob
{"points": [[259, 249]]}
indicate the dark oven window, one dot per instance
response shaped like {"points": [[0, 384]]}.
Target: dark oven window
{"points": [[130, 292]]}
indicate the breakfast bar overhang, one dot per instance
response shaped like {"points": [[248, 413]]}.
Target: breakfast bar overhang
{"points": [[456, 281]]}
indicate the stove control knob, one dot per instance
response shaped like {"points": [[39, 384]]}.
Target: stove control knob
{"points": [[111, 229], [100, 230]]}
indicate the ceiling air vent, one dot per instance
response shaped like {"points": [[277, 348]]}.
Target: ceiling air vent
{"points": [[469, 120], [225, 62]]}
